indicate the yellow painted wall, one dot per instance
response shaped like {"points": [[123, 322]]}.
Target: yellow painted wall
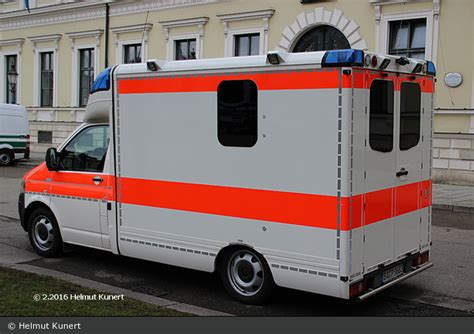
{"points": [[455, 50], [455, 53], [452, 123]]}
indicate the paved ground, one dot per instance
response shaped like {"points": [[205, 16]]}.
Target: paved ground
{"points": [[452, 197], [445, 290]]}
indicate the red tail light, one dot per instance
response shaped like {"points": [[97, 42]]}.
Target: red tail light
{"points": [[357, 288], [422, 258]]}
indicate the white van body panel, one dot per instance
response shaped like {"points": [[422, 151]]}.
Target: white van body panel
{"points": [[14, 129], [301, 196]]}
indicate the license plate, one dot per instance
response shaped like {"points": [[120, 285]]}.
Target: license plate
{"points": [[392, 273]]}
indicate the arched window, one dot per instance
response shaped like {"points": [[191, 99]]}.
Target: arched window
{"points": [[322, 38]]}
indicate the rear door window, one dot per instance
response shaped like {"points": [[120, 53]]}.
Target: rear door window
{"points": [[410, 115], [381, 116]]}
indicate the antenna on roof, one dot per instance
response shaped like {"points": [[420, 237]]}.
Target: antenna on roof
{"points": [[143, 35]]}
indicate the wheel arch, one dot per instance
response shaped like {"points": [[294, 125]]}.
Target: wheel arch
{"points": [[6, 147], [31, 208], [230, 248]]}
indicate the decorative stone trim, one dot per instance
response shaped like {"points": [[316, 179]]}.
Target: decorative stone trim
{"points": [[76, 47], [18, 44], [145, 28], [264, 14], [200, 22], [77, 11], [319, 16], [432, 25], [46, 38], [84, 34], [16, 41], [196, 21], [37, 64], [51, 14], [49, 114], [185, 22], [119, 8], [256, 14], [140, 28], [132, 28]]}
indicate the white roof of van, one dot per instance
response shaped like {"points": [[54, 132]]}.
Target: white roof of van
{"points": [[304, 58], [286, 59]]}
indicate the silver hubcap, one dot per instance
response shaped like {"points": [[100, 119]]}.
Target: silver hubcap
{"points": [[245, 273], [43, 233], [4, 158]]}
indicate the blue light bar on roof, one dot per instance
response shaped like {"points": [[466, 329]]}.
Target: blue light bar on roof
{"points": [[102, 82], [339, 58], [430, 68]]}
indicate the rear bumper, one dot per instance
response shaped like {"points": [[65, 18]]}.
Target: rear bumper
{"points": [[381, 288]]}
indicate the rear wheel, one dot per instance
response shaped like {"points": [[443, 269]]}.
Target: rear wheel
{"points": [[6, 157], [246, 276], [43, 231]]}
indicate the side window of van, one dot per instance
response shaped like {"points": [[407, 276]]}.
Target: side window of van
{"points": [[86, 152], [237, 102], [410, 115], [381, 116]]}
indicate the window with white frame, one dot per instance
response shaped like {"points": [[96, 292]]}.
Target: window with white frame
{"points": [[11, 78], [131, 50], [85, 62], [408, 38], [86, 74], [185, 49], [46, 78], [413, 34], [247, 45], [184, 37], [246, 41], [132, 53]]}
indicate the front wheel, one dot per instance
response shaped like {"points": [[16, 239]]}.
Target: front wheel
{"points": [[43, 231], [247, 277], [6, 158]]}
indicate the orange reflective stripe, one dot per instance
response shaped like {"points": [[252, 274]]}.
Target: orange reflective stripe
{"points": [[378, 205], [407, 198], [81, 185], [425, 194], [426, 83], [292, 79], [296, 79], [38, 184], [268, 205]]}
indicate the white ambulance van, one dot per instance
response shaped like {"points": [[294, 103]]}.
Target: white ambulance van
{"points": [[14, 133], [310, 171]]}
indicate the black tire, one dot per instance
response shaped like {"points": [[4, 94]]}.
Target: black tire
{"points": [[44, 234], [244, 266], [6, 157]]}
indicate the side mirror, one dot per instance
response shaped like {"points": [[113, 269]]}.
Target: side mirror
{"points": [[52, 159]]}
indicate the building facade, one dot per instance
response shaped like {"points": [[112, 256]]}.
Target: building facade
{"points": [[50, 54]]}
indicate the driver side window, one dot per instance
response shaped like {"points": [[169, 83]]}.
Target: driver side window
{"points": [[86, 152]]}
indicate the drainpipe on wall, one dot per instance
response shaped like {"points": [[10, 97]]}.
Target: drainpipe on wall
{"points": [[106, 35]]}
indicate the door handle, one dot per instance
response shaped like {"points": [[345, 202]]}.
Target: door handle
{"points": [[97, 179], [402, 172]]}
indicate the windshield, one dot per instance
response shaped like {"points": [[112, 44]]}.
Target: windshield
{"points": [[102, 82]]}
